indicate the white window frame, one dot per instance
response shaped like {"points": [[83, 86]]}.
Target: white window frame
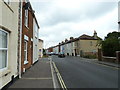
{"points": [[26, 59], [26, 18], [7, 1], [2, 69]]}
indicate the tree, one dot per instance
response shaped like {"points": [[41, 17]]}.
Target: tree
{"points": [[111, 44]]}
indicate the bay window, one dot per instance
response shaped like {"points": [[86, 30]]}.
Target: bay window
{"points": [[3, 49]]}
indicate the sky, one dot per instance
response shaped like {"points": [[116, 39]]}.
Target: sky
{"points": [[62, 19]]}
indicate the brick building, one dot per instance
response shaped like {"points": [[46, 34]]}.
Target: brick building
{"points": [[27, 49]]}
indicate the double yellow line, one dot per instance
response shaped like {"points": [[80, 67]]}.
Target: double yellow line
{"points": [[60, 78]]}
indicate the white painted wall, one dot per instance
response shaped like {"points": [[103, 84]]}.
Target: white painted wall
{"points": [[40, 47], [35, 41], [55, 50], [73, 48], [9, 20]]}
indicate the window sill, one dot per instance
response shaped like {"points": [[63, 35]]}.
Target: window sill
{"points": [[4, 72], [27, 27], [25, 62]]}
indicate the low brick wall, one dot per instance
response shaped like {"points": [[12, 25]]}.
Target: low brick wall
{"points": [[91, 53], [109, 59]]}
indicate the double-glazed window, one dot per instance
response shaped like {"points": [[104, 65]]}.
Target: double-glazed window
{"points": [[25, 52], [3, 49], [26, 18]]}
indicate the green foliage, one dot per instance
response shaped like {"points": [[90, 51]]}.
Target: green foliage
{"points": [[111, 44], [113, 35]]}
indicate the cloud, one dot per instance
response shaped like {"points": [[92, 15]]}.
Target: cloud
{"points": [[60, 19]]}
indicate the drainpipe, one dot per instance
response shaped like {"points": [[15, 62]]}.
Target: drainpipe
{"points": [[20, 38]]}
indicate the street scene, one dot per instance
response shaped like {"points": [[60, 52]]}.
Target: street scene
{"points": [[59, 44]]}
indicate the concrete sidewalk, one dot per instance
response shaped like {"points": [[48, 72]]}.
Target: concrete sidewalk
{"points": [[38, 76], [103, 62]]}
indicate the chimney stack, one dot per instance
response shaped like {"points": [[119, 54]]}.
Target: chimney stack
{"points": [[66, 40], [95, 35], [71, 38]]}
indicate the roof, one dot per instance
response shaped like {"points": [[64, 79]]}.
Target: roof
{"points": [[87, 37]]}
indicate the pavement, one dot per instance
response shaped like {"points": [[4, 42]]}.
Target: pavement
{"points": [[38, 76], [102, 62]]}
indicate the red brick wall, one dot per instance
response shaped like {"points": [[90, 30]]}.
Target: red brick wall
{"points": [[50, 50], [28, 32]]}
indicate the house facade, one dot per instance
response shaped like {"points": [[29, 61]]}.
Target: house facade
{"points": [[27, 37], [8, 41], [81, 46], [68, 47], [55, 49], [40, 48], [35, 39], [86, 45]]}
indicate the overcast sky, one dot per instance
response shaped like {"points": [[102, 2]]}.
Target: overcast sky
{"points": [[60, 19]]}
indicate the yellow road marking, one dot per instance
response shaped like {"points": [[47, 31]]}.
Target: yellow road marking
{"points": [[60, 78]]}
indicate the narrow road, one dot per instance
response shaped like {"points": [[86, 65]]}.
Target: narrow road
{"points": [[78, 73]]}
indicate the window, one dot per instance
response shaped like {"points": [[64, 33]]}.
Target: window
{"points": [[3, 49], [25, 52], [91, 43], [26, 18], [35, 29], [36, 52], [7, 1]]}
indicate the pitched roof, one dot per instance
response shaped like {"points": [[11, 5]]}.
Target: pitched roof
{"points": [[86, 37]]}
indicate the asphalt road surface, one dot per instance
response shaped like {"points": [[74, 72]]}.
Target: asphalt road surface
{"points": [[77, 73]]}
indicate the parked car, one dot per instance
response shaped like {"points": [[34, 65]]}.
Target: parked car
{"points": [[51, 53], [61, 55]]}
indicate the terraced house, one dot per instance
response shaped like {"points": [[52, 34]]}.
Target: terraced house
{"points": [[8, 41], [30, 27], [18, 39], [81, 46]]}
